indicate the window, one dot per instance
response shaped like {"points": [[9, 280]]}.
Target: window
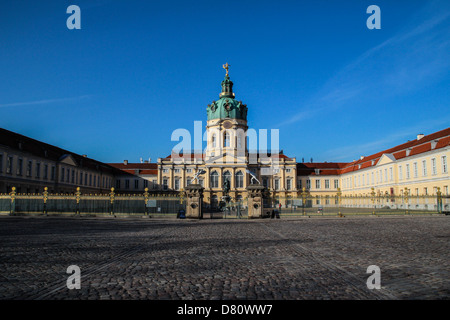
{"points": [[127, 184], [117, 184], [45, 171], [317, 184], [400, 173], [415, 169], [214, 179], [227, 176], [288, 184], [38, 170], [188, 170], [424, 168], [239, 141], [385, 175], [165, 170], [90, 179], [277, 184], [81, 178], [433, 166], [327, 184], [68, 175], [9, 165], [391, 174], [425, 191], [145, 184], [407, 171], [177, 170], [226, 139], [19, 167], [213, 140], [336, 182], [188, 181], [136, 183], [85, 179], [29, 168], [73, 176], [308, 184], [201, 182], [53, 173], [299, 184], [373, 181], [444, 164], [62, 174], [1, 163], [265, 182], [177, 184], [165, 186], [288, 170], [154, 184], [446, 190], [240, 179]]}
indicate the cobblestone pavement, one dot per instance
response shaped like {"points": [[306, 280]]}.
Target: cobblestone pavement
{"points": [[137, 258]]}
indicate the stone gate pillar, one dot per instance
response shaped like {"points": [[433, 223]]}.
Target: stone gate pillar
{"points": [[255, 201], [194, 201]]}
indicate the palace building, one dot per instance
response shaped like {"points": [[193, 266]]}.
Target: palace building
{"points": [[416, 167], [30, 165]]}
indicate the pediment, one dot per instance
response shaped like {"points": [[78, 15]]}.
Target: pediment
{"points": [[385, 159], [226, 159], [68, 159]]}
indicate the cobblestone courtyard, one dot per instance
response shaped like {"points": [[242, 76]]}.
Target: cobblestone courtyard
{"points": [[137, 258]]}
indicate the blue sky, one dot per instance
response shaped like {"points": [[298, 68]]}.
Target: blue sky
{"points": [[138, 70]]}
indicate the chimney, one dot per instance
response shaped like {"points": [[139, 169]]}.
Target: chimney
{"points": [[142, 161], [84, 155], [125, 162], [420, 136], [362, 157]]}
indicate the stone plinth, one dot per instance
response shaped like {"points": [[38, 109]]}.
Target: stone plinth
{"points": [[194, 201], [255, 201]]}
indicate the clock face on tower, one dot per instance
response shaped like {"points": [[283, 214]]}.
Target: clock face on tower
{"points": [[227, 124]]}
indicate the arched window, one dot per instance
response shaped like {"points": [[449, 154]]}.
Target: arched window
{"points": [[214, 179], [227, 176], [226, 139], [239, 141], [239, 180], [213, 141]]}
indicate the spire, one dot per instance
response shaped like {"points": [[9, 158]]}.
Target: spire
{"points": [[227, 84]]}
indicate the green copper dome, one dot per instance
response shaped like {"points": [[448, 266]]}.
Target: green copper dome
{"points": [[227, 106]]}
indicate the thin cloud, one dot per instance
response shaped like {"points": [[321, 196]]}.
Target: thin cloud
{"points": [[414, 57], [347, 153], [43, 102]]}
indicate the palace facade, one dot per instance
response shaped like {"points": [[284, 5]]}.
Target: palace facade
{"points": [[418, 167]]}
